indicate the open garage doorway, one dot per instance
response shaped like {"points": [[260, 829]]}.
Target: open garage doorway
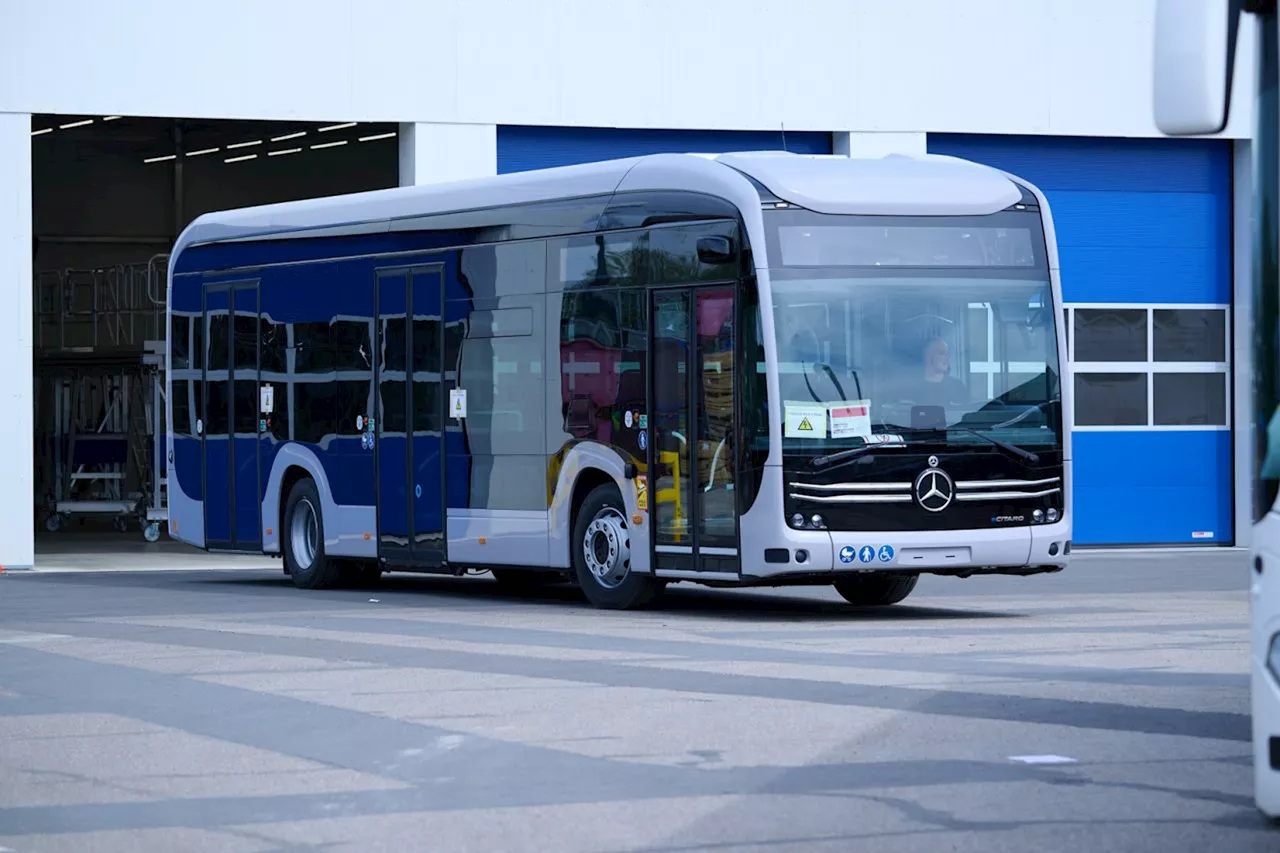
{"points": [[110, 195]]}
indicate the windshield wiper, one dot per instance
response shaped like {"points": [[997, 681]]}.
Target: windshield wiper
{"points": [[830, 459], [1013, 449]]}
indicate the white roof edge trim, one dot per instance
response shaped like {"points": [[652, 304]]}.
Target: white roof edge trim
{"points": [[893, 185], [897, 184], [368, 209]]}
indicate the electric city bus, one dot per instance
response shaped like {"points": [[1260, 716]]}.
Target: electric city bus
{"points": [[754, 369], [1195, 51]]}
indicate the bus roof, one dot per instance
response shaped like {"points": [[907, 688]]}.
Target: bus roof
{"points": [[925, 185]]}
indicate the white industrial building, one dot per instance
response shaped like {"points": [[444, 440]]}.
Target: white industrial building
{"points": [[121, 121]]}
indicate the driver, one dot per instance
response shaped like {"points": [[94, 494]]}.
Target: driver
{"points": [[936, 386]]}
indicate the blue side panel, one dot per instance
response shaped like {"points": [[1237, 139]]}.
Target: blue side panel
{"points": [[1139, 220], [217, 490], [1152, 487], [522, 148]]}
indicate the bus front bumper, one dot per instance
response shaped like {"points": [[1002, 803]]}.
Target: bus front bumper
{"points": [[1012, 550]]}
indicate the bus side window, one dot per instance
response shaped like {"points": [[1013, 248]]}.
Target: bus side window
{"points": [[673, 253]]}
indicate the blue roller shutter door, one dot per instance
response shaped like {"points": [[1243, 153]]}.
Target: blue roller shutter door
{"points": [[1144, 232]]}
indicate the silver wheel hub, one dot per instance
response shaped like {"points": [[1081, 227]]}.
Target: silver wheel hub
{"points": [[606, 547], [304, 534]]}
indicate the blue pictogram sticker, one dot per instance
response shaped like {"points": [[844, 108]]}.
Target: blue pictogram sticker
{"points": [[885, 553], [417, 491], [866, 554], [846, 554], [643, 440]]}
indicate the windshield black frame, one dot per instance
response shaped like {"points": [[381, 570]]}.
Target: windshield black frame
{"points": [[1025, 218]]}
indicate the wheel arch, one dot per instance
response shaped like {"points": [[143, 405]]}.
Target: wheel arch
{"points": [[586, 466]]}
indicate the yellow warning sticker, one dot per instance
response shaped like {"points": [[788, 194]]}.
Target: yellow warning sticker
{"points": [[642, 493], [805, 420]]}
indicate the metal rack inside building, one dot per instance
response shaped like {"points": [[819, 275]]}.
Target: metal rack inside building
{"points": [[99, 339]]}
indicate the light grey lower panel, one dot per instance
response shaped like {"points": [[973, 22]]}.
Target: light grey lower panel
{"points": [[186, 515], [350, 531], [507, 482], [480, 537]]}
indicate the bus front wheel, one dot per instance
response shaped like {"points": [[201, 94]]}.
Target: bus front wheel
{"points": [[302, 539], [876, 590], [602, 554]]}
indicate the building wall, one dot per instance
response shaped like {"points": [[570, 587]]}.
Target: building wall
{"points": [[575, 72], [1063, 67]]}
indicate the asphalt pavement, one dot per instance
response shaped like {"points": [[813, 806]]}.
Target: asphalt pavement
{"points": [[1102, 709]]}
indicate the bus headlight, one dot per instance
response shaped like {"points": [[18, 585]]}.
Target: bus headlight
{"points": [[1052, 514], [797, 520], [1037, 516], [817, 521], [1273, 657]]}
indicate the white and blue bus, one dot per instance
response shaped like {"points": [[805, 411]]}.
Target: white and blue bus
{"points": [[1195, 55], [740, 370]]}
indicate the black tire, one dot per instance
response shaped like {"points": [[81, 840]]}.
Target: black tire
{"points": [[623, 591], [876, 590], [525, 580], [321, 572]]}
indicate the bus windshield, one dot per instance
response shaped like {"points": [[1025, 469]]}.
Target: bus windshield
{"points": [[959, 351]]}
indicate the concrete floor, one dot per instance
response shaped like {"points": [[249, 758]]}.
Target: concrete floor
{"points": [[228, 711], [96, 549]]}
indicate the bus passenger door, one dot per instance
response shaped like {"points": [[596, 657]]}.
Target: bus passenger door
{"points": [[692, 428], [230, 433], [410, 441]]}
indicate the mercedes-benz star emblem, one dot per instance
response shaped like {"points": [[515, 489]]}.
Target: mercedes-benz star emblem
{"points": [[934, 489]]}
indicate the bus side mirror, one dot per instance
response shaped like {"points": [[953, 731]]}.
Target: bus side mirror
{"points": [[1195, 50], [715, 250]]}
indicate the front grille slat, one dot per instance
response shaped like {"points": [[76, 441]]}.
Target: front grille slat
{"points": [[900, 492]]}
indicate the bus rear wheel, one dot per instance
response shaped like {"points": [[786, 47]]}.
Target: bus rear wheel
{"points": [[876, 590], [302, 539], [601, 549]]}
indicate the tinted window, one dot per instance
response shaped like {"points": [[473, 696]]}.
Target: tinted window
{"points": [[218, 341], [315, 404], [1110, 334], [601, 260], [673, 253], [197, 343], [602, 365], [218, 407], [394, 342], [510, 268], [179, 340], [1111, 399], [246, 412], [273, 346], [504, 380], [1187, 399], [1190, 334], [182, 423]]}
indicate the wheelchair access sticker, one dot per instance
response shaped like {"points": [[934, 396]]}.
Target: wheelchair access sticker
{"points": [[866, 554]]}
